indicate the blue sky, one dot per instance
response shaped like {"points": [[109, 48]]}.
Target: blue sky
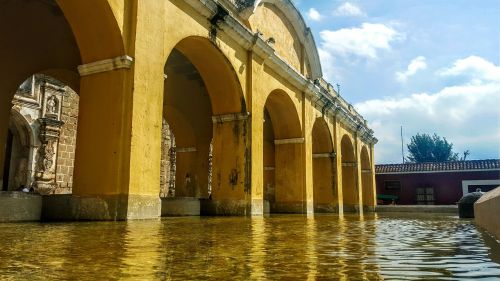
{"points": [[429, 66]]}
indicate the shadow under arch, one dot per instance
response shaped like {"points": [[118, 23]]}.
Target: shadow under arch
{"points": [[20, 140], [367, 180], [202, 87], [324, 165], [219, 77], [283, 155], [349, 169]]}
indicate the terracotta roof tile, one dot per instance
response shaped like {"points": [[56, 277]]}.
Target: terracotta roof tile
{"points": [[488, 164]]}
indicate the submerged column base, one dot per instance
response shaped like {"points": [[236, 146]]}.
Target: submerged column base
{"points": [[289, 208], [180, 206], [326, 208], [225, 207], [350, 208], [100, 208]]}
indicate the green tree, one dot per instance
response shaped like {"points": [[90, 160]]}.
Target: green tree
{"points": [[427, 148]]}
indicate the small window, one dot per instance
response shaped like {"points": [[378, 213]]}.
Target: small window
{"points": [[392, 185], [425, 196]]}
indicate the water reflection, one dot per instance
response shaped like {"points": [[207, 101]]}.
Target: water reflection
{"points": [[368, 247]]}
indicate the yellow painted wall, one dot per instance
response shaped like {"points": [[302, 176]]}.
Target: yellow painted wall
{"points": [[273, 23], [119, 133]]}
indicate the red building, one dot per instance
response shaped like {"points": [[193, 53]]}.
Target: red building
{"points": [[441, 183]]}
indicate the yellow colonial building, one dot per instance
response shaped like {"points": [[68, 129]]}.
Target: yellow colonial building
{"points": [[238, 83]]}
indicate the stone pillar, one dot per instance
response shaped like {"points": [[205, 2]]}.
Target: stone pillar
{"points": [[338, 165], [325, 188], [289, 177], [358, 174], [231, 193], [307, 159], [45, 176], [374, 182]]}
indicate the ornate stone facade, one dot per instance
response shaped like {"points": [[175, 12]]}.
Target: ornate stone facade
{"points": [[43, 137]]}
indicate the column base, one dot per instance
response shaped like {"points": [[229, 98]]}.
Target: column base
{"points": [[180, 206], [18, 206], [100, 208], [225, 207], [326, 208], [348, 208], [289, 208], [259, 207], [369, 209]]}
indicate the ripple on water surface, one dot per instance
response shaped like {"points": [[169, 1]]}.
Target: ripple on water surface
{"points": [[274, 248]]}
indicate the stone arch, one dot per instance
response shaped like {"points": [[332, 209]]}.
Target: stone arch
{"points": [[325, 194], [367, 179], [349, 185], [283, 155], [226, 96], [20, 141], [298, 24], [59, 36], [205, 106]]}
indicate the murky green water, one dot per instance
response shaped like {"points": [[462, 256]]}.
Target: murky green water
{"points": [[236, 248]]}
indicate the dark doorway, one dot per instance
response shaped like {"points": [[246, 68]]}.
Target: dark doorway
{"points": [[6, 167]]}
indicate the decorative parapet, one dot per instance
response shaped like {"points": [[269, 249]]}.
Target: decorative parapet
{"points": [[318, 91]]}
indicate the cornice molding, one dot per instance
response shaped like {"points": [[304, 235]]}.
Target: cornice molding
{"points": [[105, 65], [314, 90], [289, 141]]}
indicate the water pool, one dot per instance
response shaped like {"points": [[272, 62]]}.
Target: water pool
{"points": [[280, 247]]}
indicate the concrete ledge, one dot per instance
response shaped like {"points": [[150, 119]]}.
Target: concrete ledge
{"points": [[487, 210], [224, 207], [180, 206], [289, 208], [20, 206], [418, 208], [102, 208], [326, 208]]}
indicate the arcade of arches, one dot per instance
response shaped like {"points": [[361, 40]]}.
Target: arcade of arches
{"points": [[124, 109]]}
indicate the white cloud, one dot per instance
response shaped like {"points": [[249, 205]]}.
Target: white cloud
{"points": [[466, 114], [415, 65], [364, 41], [473, 67], [348, 9], [314, 15]]}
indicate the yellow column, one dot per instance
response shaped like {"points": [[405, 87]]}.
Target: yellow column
{"points": [[374, 184], [256, 135], [359, 176], [257, 161], [230, 165], [117, 164], [147, 110], [308, 122], [289, 176], [338, 162]]}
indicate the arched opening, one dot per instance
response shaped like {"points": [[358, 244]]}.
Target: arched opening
{"points": [[283, 155], [205, 109], [55, 38], [40, 150], [17, 154], [349, 189], [35, 36], [325, 193], [367, 180]]}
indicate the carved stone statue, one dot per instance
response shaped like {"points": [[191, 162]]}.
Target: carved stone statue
{"points": [[52, 105]]}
